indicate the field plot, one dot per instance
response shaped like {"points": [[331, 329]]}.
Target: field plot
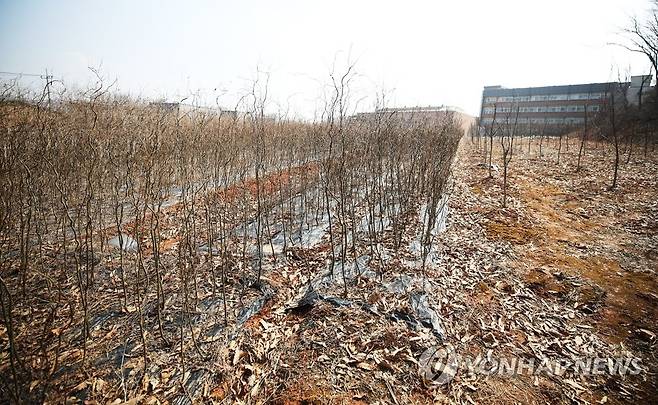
{"points": [[142, 251], [346, 202], [149, 257]]}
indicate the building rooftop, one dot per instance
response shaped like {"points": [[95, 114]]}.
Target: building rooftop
{"points": [[563, 89], [421, 109]]}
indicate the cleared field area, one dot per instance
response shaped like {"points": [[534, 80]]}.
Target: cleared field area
{"points": [[580, 249]]}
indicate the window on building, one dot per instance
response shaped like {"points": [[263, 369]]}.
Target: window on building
{"points": [[558, 97]]}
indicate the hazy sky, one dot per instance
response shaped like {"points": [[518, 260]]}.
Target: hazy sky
{"points": [[420, 52]]}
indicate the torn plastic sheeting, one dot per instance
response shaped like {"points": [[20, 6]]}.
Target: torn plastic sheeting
{"points": [[204, 249], [400, 316], [440, 222], [116, 356], [337, 302], [352, 270], [193, 385], [126, 242], [255, 306], [307, 300], [413, 323], [401, 284], [215, 330], [96, 322], [493, 166], [427, 316], [211, 304], [99, 320], [251, 309], [311, 297]]}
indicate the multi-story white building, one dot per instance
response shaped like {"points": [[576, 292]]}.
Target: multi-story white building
{"points": [[555, 105]]}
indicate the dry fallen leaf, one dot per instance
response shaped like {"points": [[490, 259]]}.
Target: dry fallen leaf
{"points": [[237, 355], [365, 366]]}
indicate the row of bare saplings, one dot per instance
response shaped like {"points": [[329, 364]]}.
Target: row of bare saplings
{"points": [[190, 203]]}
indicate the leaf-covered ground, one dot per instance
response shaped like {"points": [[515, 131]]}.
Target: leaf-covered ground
{"points": [[567, 270]]}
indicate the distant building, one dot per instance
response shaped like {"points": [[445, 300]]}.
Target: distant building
{"points": [[409, 113], [638, 86], [555, 105], [416, 114], [182, 109]]}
